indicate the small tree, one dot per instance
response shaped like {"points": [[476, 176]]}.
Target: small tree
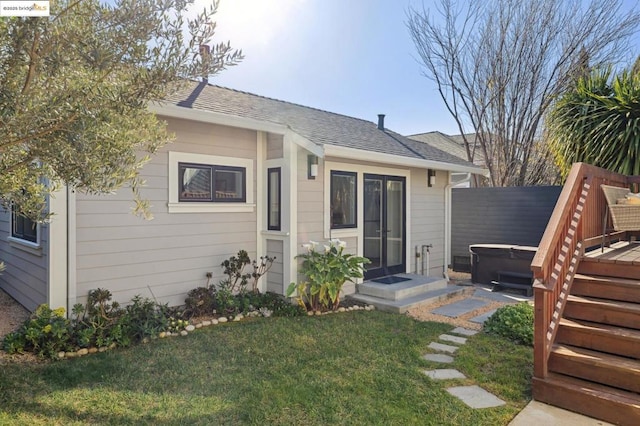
{"points": [[74, 90], [598, 122]]}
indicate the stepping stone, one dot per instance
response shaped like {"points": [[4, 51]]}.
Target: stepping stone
{"points": [[445, 359], [475, 396], [454, 310], [480, 319], [444, 374], [442, 347], [464, 331], [453, 339]]}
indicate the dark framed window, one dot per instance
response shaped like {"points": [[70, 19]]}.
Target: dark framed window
{"points": [[274, 200], [211, 183], [343, 199], [23, 228]]}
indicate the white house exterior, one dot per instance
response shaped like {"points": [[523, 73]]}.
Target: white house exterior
{"points": [[239, 176]]}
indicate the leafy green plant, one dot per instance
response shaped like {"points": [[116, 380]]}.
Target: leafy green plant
{"points": [[326, 273], [46, 333], [514, 322]]}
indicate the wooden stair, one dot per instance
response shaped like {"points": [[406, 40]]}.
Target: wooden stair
{"points": [[594, 364]]}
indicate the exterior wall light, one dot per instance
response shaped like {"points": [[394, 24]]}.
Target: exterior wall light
{"points": [[312, 166], [431, 177]]}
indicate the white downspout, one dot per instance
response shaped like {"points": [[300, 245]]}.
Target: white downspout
{"points": [[447, 221]]}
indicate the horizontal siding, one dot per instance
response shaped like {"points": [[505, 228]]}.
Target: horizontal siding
{"points": [[166, 257], [275, 277], [25, 277], [274, 146], [310, 203], [427, 221], [517, 216]]}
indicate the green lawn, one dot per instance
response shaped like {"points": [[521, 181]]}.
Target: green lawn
{"points": [[351, 368]]}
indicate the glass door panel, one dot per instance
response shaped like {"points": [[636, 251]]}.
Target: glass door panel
{"points": [[395, 223], [373, 221], [384, 225]]}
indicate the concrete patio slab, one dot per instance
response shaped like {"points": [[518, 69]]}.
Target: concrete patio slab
{"points": [[464, 331], [453, 339], [442, 347], [476, 397], [445, 359], [444, 374], [480, 319], [454, 310], [537, 413]]}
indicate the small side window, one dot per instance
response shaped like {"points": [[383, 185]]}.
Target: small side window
{"points": [[274, 200], [343, 199], [23, 228]]}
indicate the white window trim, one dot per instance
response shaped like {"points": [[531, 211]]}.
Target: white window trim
{"points": [[175, 206], [19, 243]]}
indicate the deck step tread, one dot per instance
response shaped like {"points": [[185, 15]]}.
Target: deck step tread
{"points": [[596, 358], [592, 399], [606, 303], [599, 328]]}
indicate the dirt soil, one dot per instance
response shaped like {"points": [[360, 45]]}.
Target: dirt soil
{"points": [[12, 315]]}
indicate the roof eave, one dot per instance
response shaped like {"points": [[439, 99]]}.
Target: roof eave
{"points": [[169, 109], [378, 157]]}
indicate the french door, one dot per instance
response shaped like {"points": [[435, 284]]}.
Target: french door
{"points": [[384, 225]]}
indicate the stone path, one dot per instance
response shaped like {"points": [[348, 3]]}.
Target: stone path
{"points": [[474, 396]]}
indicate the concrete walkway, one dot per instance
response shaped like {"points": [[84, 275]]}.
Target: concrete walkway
{"points": [[537, 413]]}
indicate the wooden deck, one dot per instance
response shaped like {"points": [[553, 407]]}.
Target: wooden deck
{"points": [[622, 252]]}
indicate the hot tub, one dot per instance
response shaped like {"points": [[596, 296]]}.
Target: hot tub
{"points": [[487, 260]]}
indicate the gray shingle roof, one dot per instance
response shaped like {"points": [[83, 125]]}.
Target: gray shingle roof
{"points": [[318, 126], [453, 144]]}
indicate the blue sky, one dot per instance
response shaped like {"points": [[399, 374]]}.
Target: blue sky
{"points": [[353, 57]]}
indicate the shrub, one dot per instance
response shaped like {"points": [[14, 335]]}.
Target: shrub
{"points": [[200, 301], [514, 322], [45, 334], [326, 272]]}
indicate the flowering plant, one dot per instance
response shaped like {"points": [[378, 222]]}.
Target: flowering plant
{"points": [[326, 271]]}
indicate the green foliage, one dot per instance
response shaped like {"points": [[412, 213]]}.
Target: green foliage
{"points": [[515, 322], [237, 278], [598, 122], [46, 333], [75, 88], [326, 273]]}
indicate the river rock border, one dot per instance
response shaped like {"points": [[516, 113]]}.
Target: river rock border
{"points": [[206, 323]]}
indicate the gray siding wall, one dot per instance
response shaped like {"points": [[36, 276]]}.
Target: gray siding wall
{"points": [[169, 255], [275, 280], [274, 146], [427, 221], [310, 202], [516, 215], [25, 277]]}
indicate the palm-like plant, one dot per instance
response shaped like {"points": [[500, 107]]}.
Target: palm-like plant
{"points": [[598, 122]]}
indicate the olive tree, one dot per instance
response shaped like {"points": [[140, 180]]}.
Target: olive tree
{"points": [[499, 64], [75, 86]]}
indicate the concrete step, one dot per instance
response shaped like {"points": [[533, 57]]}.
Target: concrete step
{"points": [[401, 306], [416, 285]]}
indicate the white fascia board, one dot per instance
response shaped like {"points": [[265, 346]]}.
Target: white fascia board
{"points": [[398, 160], [168, 109], [171, 110], [305, 143]]}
